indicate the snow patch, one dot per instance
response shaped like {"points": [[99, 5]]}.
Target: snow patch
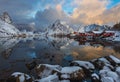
{"points": [[85, 64], [51, 78], [116, 60], [22, 76], [70, 69]]}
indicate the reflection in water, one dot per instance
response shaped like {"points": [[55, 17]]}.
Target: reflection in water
{"points": [[117, 48], [6, 53], [6, 43], [15, 53], [90, 49]]}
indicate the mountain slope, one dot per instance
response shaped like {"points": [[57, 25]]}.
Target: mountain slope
{"points": [[95, 28], [59, 27], [5, 17], [7, 29]]}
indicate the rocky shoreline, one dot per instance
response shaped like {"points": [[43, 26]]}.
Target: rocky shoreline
{"points": [[104, 69]]}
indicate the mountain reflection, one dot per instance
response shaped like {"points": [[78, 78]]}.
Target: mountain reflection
{"points": [[44, 46], [16, 52]]}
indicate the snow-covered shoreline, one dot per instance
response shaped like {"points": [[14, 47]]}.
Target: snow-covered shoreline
{"points": [[115, 38], [102, 69]]}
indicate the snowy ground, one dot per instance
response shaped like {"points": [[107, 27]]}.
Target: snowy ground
{"points": [[116, 37]]}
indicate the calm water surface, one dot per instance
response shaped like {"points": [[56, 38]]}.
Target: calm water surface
{"points": [[15, 53]]}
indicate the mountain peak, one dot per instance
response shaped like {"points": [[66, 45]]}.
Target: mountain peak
{"points": [[57, 21], [5, 17], [59, 28]]}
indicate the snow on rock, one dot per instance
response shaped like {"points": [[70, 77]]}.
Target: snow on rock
{"points": [[7, 29], [100, 63], [44, 70], [64, 81], [113, 60], [51, 78], [19, 77], [116, 60], [107, 79], [118, 70], [104, 60], [107, 68], [84, 64], [78, 71], [95, 78], [72, 73], [95, 75], [106, 63], [111, 74], [70, 69]]}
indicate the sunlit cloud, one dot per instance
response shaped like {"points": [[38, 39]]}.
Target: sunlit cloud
{"points": [[84, 53], [87, 11], [45, 12], [58, 7]]}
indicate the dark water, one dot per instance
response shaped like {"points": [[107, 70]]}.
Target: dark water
{"points": [[15, 53]]}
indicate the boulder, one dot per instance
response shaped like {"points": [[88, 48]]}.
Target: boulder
{"points": [[19, 77], [95, 78], [50, 78], [107, 79], [44, 70], [98, 64], [118, 70], [104, 74], [101, 62], [113, 60], [31, 65], [73, 73], [87, 66]]}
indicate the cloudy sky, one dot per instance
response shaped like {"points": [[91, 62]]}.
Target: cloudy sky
{"points": [[74, 12]]}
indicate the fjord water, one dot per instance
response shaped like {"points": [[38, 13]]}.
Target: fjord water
{"points": [[16, 52]]}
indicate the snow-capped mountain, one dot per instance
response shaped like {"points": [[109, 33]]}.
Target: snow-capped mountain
{"points": [[25, 27], [95, 27], [5, 17], [59, 27], [7, 29]]}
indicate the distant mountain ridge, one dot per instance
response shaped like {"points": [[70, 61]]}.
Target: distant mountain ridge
{"points": [[95, 27], [59, 27], [25, 27]]}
